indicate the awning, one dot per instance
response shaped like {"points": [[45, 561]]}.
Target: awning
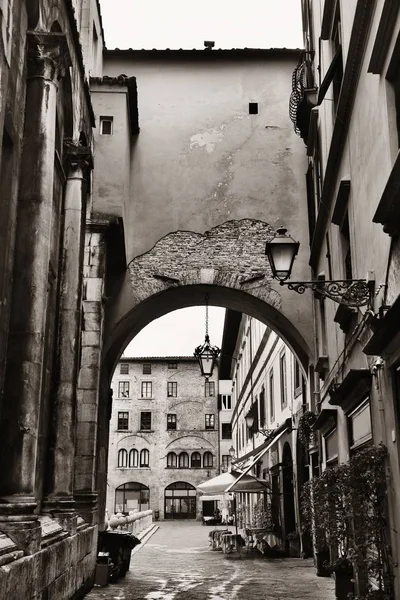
{"points": [[234, 487], [222, 483]]}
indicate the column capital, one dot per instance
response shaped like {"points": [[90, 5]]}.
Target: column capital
{"points": [[78, 158], [48, 55]]}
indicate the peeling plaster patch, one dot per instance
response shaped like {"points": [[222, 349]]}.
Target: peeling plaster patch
{"points": [[208, 139]]}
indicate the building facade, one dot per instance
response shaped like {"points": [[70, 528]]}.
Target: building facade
{"points": [[163, 436], [268, 385]]}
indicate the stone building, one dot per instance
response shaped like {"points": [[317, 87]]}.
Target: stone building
{"points": [[268, 385], [163, 436], [347, 110], [48, 532]]}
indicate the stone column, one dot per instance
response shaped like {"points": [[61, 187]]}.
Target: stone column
{"points": [[90, 390], [47, 57], [60, 467]]}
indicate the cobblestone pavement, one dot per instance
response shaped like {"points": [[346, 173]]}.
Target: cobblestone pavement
{"points": [[177, 564]]}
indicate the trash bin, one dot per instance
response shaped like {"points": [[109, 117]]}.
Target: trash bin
{"points": [[103, 567], [119, 545], [156, 514]]}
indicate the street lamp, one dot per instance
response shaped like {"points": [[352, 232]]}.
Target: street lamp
{"points": [[206, 354], [281, 252], [249, 418]]}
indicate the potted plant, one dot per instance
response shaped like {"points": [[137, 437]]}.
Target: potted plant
{"points": [[293, 540], [344, 581]]}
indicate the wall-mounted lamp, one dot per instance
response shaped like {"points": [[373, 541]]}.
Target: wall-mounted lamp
{"points": [[281, 252], [207, 354], [249, 418]]}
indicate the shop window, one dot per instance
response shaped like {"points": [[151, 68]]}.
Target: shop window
{"points": [[184, 460], [122, 420], [171, 421], [172, 389], [210, 421], [124, 368], [195, 461], [147, 389], [122, 458], [145, 421], [171, 460], [123, 389]]}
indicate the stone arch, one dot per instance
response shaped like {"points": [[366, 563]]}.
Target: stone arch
{"points": [[228, 263]]}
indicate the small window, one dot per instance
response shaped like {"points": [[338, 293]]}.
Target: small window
{"points": [[147, 389], [172, 365], [106, 125], [253, 108], [133, 458], [297, 376], [208, 460], [122, 458], [172, 389], [195, 461], [226, 401], [262, 408], [271, 396], [123, 389], [209, 388], [226, 461], [331, 447], [124, 368], [210, 421], [171, 460], [145, 421], [123, 420], [146, 368], [144, 458], [282, 365], [360, 429], [183, 460], [226, 431], [171, 421]]}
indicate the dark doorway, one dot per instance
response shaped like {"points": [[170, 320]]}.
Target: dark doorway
{"points": [[289, 519], [180, 501]]}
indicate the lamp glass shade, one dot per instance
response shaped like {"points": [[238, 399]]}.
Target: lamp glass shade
{"points": [[207, 356], [281, 252], [249, 420]]}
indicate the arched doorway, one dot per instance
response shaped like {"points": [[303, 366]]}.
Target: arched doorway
{"points": [[131, 496], [289, 519], [180, 501]]}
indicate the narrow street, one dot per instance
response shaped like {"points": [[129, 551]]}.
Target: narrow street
{"points": [[177, 564]]}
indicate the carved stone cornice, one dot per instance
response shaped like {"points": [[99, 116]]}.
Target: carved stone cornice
{"points": [[48, 55]]}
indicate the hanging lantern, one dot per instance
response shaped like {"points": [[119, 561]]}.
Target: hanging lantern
{"points": [[207, 354]]}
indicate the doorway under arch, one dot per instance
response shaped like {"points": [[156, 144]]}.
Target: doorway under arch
{"points": [[289, 518], [180, 501], [131, 496]]}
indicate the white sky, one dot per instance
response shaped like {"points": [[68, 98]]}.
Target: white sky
{"points": [[188, 23], [178, 332]]}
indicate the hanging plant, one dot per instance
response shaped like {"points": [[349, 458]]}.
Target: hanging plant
{"points": [[262, 515], [305, 427], [344, 508]]}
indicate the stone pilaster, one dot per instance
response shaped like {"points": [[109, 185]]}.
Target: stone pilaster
{"points": [[60, 467], [47, 60], [94, 271]]}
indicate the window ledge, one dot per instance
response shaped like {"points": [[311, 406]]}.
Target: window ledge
{"points": [[145, 431], [124, 430], [146, 398]]}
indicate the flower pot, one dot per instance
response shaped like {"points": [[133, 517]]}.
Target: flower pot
{"points": [[344, 584]]}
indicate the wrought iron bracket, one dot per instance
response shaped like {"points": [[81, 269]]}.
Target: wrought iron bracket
{"points": [[350, 292]]}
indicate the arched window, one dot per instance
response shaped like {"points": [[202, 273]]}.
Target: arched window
{"points": [[183, 460], [133, 458], [144, 458], [207, 460], [180, 501], [171, 460], [122, 458], [196, 460], [130, 496]]}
